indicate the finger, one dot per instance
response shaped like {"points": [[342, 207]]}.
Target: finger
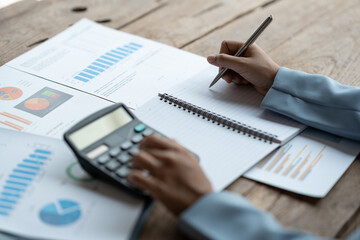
{"points": [[165, 157], [144, 160], [173, 157], [148, 183], [234, 63], [155, 141], [238, 79], [227, 77], [230, 47]]}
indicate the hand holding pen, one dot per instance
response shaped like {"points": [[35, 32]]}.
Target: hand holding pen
{"points": [[244, 63], [255, 67]]}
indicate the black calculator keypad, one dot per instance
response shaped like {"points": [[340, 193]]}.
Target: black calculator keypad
{"points": [[137, 138], [103, 159], [123, 172], [126, 145], [147, 132], [114, 152], [123, 158], [133, 150], [112, 165], [117, 161]]}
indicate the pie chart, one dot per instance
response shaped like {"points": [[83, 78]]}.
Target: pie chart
{"points": [[36, 103], [60, 213], [10, 93]]}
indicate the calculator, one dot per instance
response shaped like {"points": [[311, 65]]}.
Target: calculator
{"points": [[105, 142]]}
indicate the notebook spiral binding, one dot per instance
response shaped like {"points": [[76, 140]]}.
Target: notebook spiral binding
{"points": [[219, 119]]}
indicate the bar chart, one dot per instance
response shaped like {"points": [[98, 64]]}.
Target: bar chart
{"points": [[9, 122], [310, 164], [20, 179], [106, 61], [291, 163]]}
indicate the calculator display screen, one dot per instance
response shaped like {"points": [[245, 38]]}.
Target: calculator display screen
{"points": [[99, 128]]}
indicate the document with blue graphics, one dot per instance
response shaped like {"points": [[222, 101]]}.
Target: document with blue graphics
{"points": [[45, 194], [110, 64]]}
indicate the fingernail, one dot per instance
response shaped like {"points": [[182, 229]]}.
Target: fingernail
{"points": [[211, 58]]}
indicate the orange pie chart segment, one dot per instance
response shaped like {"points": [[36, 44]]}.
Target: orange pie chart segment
{"points": [[10, 93], [37, 103]]}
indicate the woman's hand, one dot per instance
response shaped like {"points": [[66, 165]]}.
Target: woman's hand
{"points": [[255, 67], [174, 175]]}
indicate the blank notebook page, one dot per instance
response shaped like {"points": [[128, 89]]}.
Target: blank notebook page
{"points": [[241, 103], [224, 154]]}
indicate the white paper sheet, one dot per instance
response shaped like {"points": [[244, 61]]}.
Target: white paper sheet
{"points": [[34, 105], [224, 154], [46, 194], [111, 64], [310, 164], [241, 103]]}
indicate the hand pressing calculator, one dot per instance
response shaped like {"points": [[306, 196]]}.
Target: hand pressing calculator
{"points": [[105, 142]]}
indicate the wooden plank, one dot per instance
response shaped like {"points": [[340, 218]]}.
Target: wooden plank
{"points": [[181, 22], [318, 37], [26, 23]]}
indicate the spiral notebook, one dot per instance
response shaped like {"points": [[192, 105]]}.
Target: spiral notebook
{"points": [[224, 125]]}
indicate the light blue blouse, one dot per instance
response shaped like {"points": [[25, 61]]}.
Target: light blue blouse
{"points": [[314, 100]]}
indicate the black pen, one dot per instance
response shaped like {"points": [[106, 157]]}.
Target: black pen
{"points": [[243, 48]]}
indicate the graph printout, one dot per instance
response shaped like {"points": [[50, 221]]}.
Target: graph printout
{"points": [[310, 164], [45, 194], [31, 104], [111, 64]]}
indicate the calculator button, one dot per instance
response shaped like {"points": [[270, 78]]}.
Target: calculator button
{"points": [[112, 165], [134, 150], [137, 138], [123, 172], [114, 151], [123, 158], [147, 132], [140, 127], [129, 164], [126, 145], [103, 159]]}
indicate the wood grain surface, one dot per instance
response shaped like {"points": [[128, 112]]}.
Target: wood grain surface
{"points": [[316, 36]]}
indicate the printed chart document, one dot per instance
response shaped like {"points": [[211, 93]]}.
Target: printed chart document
{"points": [[310, 164], [110, 64], [45, 194], [224, 154], [34, 105]]}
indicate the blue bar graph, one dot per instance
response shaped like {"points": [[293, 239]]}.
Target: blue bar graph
{"points": [[24, 172], [106, 61], [42, 151], [5, 200], [114, 56], [119, 53], [109, 59], [33, 162], [10, 194], [4, 206], [100, 65], [20, 178], [17, 183], [81, 79], [91, 72], [100, 70], [37, 156]]}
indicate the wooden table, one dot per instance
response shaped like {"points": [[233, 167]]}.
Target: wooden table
{"points": [[316, 36]]}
